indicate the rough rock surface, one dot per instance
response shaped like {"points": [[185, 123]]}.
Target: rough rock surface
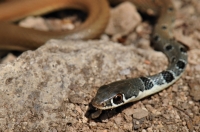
{"points": [[42, 88], [124, 18]]}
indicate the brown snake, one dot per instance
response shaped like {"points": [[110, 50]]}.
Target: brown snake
{"points": [[13, 37], [117, 93]]}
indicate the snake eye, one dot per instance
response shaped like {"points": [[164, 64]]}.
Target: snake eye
{"points": [[118, 99]]}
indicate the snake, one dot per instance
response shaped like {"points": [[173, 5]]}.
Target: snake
{"points": [[121, 92], [14, 37], [118, 93]]}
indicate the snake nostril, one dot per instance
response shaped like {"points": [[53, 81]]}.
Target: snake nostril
{"points": [[102, 104]]}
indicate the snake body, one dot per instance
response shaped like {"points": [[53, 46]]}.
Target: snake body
{"points": [[13, 37], [121, 92], [117, 93]]}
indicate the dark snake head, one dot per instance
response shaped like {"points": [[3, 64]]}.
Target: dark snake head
{"points": [[115, 94]]}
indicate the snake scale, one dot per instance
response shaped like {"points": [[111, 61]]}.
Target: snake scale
{"points": [[117, 93]]}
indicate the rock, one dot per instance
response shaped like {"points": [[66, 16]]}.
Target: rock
{"points": [[54, 84], [129, 111], [140, 113], [75, 98], [34, 22], [124, 18], [37, 86], [118, 120], [195, 90], [9, 58]]}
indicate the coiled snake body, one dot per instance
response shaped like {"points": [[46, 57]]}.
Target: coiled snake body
{"points": [[117, 93]]}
